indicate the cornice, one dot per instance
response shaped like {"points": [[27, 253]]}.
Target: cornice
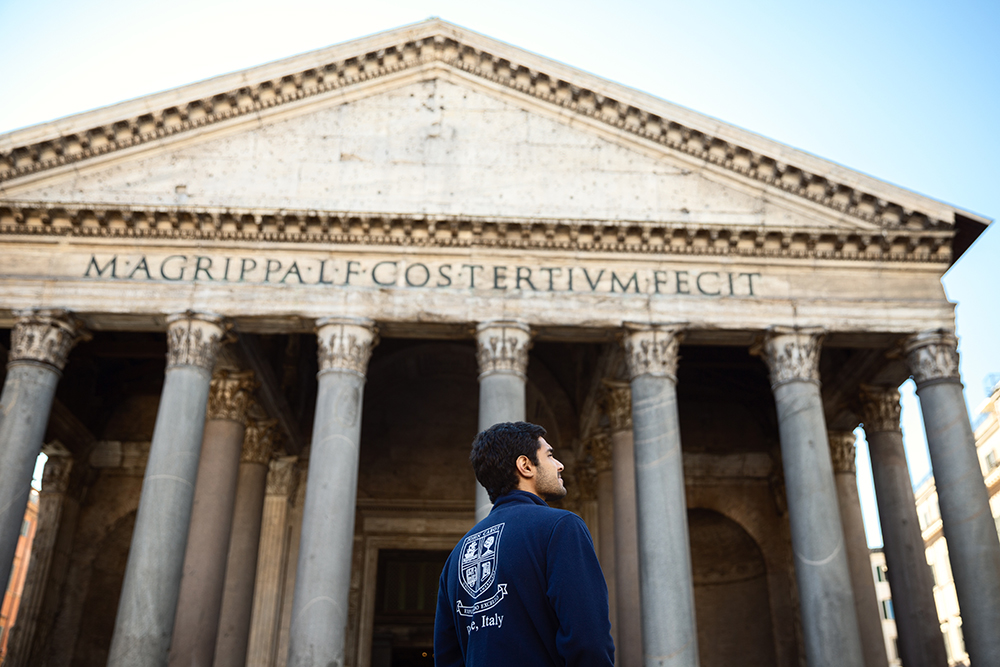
{"points": [[153, 119], [310, 226]]}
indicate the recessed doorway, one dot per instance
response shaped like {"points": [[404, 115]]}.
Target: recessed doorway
{"points": [[405, 601]]}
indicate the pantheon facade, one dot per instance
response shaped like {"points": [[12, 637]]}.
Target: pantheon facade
{"points": [[255, 323]]}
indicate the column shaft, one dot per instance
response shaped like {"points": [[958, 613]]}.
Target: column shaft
{"points": [[502, 352], [626, 551], [40, 344], [669, 636], [148, 602], [199, 602], [829, 622], [241, 564], [842, 450], [322, 583], [919, 635], [619, 409], [973, 548], [268, 590]]}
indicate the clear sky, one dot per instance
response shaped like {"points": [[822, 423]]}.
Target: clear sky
{"points": [[905, 91]]}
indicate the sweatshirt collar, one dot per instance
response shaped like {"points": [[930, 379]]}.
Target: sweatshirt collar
{"points": [[519, 497]]}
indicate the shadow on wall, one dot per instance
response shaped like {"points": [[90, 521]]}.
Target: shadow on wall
{"points": [[97, 620]]}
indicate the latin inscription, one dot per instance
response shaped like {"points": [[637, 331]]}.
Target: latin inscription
{"points": [[439, 275]]}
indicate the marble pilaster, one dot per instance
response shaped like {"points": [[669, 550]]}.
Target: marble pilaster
{"points": [[323, 576], [40, 343], [268, 590], [200, 599], [241, 564], [148, 602], [965, 511], [502, 352], [919, 635], [669, 636], [826, 601], [842, 454]]}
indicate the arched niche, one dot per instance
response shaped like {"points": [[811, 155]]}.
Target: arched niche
{"points": [[732, 605]]}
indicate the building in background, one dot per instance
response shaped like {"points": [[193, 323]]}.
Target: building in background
{"points": [[885, 612], [18, 573]]}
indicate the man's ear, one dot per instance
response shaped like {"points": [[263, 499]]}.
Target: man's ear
{"points": [[525, 468]]}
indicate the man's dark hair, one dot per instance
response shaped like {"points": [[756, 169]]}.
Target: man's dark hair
{"points": [[495, 452]]}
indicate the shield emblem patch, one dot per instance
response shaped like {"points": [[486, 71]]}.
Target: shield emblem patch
{"points": [[478, 563]]}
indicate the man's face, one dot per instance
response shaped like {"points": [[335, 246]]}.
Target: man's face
{"points": [[549, 484]]}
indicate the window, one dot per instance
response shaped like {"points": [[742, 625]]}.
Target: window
{"points": [[887, 610], [880, 572], [991, 460], [24, 528]]}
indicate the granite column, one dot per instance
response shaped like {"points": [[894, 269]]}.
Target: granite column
{"points": [[619, 409], [669, 636], [323, 577], [199, 602], [244, 542], [148, 601], [842, 453], [502, 352], [829, 622], [910, 579], [968, 525], [39, 345]]}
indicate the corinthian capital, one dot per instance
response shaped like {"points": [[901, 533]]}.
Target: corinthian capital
{"points": [[345, 344], [651, 349], [502, 347], [791, 353], [880, 408], [193, 339], [932, 357], [599, 449], [618, 404], [230, 394], [842, 451], [45, 337], [258, 441], [281, 476]]}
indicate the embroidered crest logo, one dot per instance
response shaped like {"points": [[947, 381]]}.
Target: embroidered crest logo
{"points": [[478, 564]]}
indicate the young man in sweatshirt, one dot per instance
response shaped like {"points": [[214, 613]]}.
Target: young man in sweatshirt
{"points": [[523, 588]]}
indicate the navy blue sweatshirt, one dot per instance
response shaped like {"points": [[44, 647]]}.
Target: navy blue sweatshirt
{"points": [[523, 589]]}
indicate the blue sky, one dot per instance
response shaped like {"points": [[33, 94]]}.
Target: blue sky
{"points": [[905, 91]]}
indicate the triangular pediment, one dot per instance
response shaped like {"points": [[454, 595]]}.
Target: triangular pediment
{"points": [[436, 120]]}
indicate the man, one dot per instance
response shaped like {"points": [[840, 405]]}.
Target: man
{"points": [[523, 588]]}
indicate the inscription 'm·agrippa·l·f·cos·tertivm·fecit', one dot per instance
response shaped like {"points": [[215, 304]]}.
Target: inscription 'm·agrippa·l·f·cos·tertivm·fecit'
{"points": [[386, 273]]}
